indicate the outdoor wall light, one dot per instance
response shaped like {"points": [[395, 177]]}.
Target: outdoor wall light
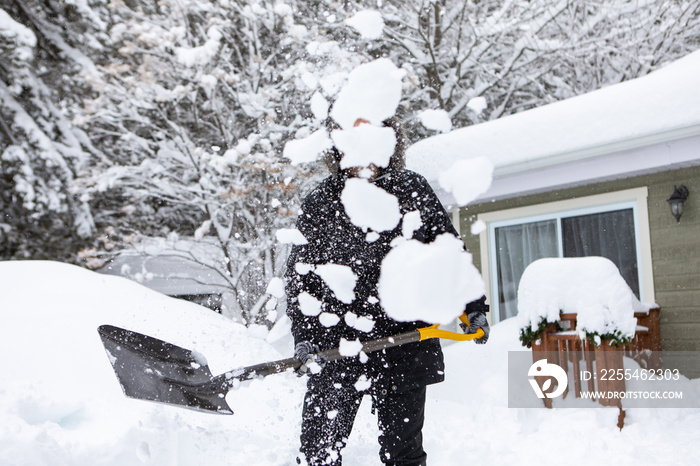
{"points": [[680, 194]]}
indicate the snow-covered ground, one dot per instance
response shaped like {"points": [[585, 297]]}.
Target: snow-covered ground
{"points": [[60, 403]]}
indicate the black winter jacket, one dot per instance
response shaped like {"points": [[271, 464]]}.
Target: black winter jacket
{"points": [[332, 238]]}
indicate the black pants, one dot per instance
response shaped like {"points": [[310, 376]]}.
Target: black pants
{"points": [[329, 412]]}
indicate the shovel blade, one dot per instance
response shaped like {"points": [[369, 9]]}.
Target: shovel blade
{"points": [[154, 370]]}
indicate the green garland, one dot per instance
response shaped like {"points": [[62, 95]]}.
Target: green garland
{"points": [[527, 335], [616, 338]]}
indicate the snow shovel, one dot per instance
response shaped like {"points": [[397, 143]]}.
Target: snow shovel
{"points": [[154, 370]]}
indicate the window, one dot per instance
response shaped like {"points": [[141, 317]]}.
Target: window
{"points": [[575, 228]]}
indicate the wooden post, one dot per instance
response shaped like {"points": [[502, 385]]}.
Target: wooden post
{"points": [[608, 361]]}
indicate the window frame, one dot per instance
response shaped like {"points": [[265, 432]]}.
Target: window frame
{"points": [[636, 199]]}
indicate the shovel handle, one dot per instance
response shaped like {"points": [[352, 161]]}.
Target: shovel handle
{"points": [[228, 379], [409, 337], [434, 332]]}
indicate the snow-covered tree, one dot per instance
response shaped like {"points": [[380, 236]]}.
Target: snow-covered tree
{"points": [[122, 120], [44, 212], [195, 114], [480, 60]]}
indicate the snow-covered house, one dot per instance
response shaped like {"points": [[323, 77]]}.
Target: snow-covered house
{"points": [[587, 176]]}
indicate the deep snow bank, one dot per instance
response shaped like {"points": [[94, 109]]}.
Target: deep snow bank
{"points": [[60, 403]]}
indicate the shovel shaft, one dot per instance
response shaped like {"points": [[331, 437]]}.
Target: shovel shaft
{"points": [[231, 379]]}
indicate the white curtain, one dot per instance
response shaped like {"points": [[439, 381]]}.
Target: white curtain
{"points": [[516, 247], [608, 234]]}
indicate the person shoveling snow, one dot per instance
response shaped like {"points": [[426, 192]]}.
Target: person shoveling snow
{"points": [[381, 258]]}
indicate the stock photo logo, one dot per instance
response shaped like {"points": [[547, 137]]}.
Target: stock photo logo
{"points": [[542, 368]]}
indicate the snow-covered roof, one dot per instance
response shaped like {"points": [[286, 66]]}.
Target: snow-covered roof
{"points": [[573, 138]]}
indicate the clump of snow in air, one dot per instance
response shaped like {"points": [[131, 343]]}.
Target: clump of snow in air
{"points": [[477, 227], [309, 305], [328, 320], [372, 93], [340, 279], [368, 23], [477, 104], [438, 120], [411, 223], [428, 282], [307, 149], [276, 287], [372, 236], [591, 287], [290, 236], [350, 347], [466, 179], [314, 367], [303, 269], [364, 145], [61, 400], [319, 106], [361, 323], [369, 206], [363, 383]]}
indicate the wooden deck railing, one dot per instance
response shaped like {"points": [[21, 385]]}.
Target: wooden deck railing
{"points": [[566, 347]]}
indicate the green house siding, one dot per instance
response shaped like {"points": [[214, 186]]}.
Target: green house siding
{"points": [[675, 247]]}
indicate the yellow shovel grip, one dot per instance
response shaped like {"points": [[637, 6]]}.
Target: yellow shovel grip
{"points": [[435, 332]]}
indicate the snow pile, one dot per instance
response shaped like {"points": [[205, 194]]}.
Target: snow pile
{"points": [[591, 287], [61, 404], [428, 282]]}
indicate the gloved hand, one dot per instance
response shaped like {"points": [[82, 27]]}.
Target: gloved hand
{"points": [[477, 320], [311, 360]]}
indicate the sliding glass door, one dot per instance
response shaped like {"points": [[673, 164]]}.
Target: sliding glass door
{"points": [[607, 231]]}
